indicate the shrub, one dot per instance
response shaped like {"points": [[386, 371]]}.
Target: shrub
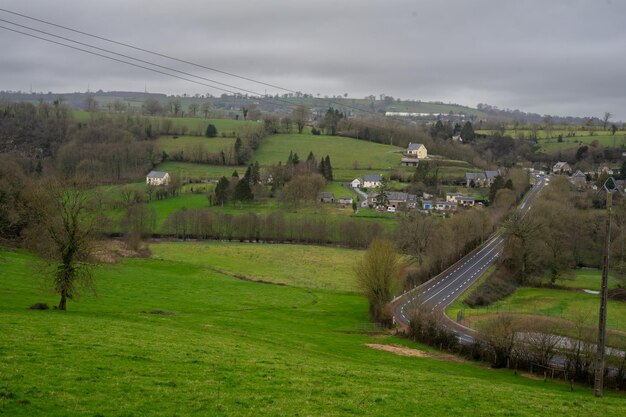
{"points": [[39, 306]]}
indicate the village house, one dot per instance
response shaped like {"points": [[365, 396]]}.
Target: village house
{"points": [[427, 205], [397, 199], [445, 206], [326, 197], [579, 179], [356, 183], [561, 168], [417, 150], [451, 197], [157, 178], [475, 179], [490, 177], [460, 199], [372, 180], [480, 179], [345, 200], [409, 162]]}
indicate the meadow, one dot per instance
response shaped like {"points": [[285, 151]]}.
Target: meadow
{"points": [[568, 303], [344, 152], [188, 144], [582, 137], [222, 346]]}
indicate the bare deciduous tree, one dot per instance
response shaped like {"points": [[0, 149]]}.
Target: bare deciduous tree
{"points": [[377, 278], [62, 232]]}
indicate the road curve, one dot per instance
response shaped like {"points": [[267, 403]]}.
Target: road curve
{"points": [[438, 292]]}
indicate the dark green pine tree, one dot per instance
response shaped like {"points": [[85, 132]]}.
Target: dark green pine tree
{"points": [[211, 131], [322, 167], [497, 184], [235, 174], [243, 191], [467, 132], [328, 169], [296, 159], [290, 158], [221, 191], [238, 146], [256, 173]]}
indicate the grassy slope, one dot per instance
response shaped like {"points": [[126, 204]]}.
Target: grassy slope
{"points": [[343, 151], [316, 266], [188, 143], [233, 348], [186, 170], [582, 137]]}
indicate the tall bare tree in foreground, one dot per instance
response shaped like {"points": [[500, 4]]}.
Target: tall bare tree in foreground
{"points": [[377, 275], [63, 232]]}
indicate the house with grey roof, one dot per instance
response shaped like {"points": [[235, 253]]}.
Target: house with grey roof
{"points": [[157, 178], [372, 180], [417, 150], [561, 167], [326, 197], [481, 179], [397, 199]]}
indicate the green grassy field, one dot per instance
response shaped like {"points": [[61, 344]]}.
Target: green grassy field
{"points": [[233, 348], [343, 152], [188, 144], [604, 138], [319, 267], [187, 170], [557, 303]]}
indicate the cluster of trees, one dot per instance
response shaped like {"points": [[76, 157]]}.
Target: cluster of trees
{"points": [[34, 131], [237, 189], [435, 245], [524, 344], [559, 234], [106, 151], [274, 227]]}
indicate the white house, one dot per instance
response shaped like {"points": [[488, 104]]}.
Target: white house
{"points": [[157, 178], [417, 150], [372, 180], [356, 183], [561, 167]]}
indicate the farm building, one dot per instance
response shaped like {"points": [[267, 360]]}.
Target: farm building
{"points": [[326, 197], [409, 162], [356, 183]]}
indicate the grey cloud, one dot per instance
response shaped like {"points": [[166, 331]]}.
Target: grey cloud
{"points": [[557, 57]]}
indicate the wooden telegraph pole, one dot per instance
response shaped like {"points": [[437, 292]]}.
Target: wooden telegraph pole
{"points": [[598, 386]]}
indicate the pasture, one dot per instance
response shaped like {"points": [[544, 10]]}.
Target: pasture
{"points": [[568, 303], [168, 337], [345, 153]]}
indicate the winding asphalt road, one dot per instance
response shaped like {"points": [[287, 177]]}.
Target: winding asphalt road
{"points": [[440, 291]]}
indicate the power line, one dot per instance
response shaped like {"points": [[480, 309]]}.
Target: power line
{"points": [[129, 63], [140, 60], [193, 64]]}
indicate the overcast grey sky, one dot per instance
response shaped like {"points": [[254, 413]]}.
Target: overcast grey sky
{"points": [[547, 56]]}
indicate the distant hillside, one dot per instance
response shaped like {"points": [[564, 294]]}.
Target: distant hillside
{"points": [[229, 106], [280, 105]]}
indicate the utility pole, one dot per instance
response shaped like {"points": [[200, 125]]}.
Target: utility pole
{"points": [[598, 386]]}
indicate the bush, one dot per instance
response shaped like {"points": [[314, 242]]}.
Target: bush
{"points": [[39, 306], [497, 286], [427, 328]]}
